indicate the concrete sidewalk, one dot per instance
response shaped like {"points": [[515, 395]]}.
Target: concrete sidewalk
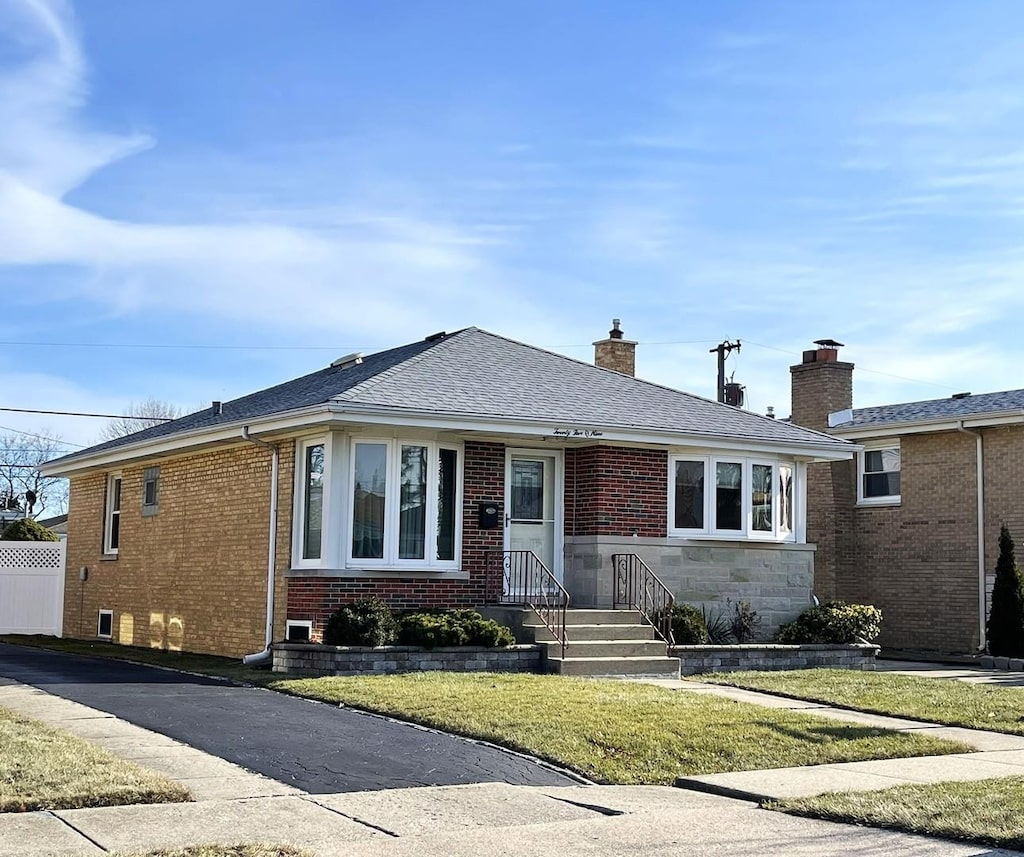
{"points": [[999, 754]]}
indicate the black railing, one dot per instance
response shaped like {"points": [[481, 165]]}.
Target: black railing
{"points": [[519, 577], [638, 587]]}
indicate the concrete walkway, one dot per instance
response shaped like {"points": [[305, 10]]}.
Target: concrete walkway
{"points": [[998, 754], [235, 806]]}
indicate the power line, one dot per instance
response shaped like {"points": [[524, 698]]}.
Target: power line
{"points": [[81, 414], [42, 437], [176, 345]]}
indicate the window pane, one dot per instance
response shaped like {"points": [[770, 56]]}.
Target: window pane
{"points": [[412, 517], [785, 499], [446, 476], [689, 512], [761, 497], [149, 491], [881, 484], [314, 500], [368, 497], [115, 501], [729, 495], [882, 461], [527, 490]]}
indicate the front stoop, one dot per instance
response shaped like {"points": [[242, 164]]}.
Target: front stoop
{"points": [[605, 643]]}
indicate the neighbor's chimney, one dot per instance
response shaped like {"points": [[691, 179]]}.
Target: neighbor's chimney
{"points": [[616, 353], [821, 384]]}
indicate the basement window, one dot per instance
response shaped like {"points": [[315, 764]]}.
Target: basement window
{"points": [[105, 624], [298, 630]]}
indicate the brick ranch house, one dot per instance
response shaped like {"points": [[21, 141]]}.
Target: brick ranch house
{"points": [[911, 524], [398, 474]]}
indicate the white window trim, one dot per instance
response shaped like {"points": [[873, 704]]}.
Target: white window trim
{"points": [[298, 542], [747, 533], [99, 618], [390, 560], [298, 623], [108, 515], [874, 446]]}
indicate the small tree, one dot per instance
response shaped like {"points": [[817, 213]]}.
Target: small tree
{"points": [[139, 416], [1006, 616]]}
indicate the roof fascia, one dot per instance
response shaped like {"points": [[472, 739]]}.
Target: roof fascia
{"points": [[191, 440], [1003, 418], [550, 431]]}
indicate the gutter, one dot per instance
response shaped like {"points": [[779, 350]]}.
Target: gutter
{"points": [[980, 458], [264, 656]]}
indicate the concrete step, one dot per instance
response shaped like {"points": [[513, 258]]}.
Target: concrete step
{"points": [[609, 648], [586, 616], [541, 634], [662, 667]]}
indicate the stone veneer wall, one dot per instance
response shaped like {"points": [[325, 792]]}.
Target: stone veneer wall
{"points": [[717, 659], [304, 659], [775, 578]]}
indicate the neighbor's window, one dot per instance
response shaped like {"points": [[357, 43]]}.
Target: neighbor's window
{"points": [[150, 491], [748, 498], [397, 488], [880, 475], [112, 522]]}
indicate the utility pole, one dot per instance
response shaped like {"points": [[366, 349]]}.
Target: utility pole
{"points": [[723, 349]]}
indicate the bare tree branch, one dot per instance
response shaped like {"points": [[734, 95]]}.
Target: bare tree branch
{"points": [[139, 416], [20, 458]]}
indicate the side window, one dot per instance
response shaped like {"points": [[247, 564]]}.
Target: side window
{"points": [[880, 475], [150, 491], [112, 516]]}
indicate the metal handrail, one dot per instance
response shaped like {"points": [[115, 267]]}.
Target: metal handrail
{"points": [[638, 587], [524, 579]]}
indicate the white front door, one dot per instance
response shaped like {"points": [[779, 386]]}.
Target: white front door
{"points": [[533, 505]]}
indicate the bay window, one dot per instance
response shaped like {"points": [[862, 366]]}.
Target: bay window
{"points": [[748, 498], [367, 503]]}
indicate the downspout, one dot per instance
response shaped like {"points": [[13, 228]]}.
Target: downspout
{"points": [[264, 656], [981, 533]]}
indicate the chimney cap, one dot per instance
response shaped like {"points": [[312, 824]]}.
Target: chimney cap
{"points": [[616, 331], [828, 343]]}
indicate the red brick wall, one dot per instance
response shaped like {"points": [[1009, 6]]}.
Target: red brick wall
{"points": [[616, 491]]}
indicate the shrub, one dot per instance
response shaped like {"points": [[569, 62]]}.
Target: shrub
{"points": [[435, 629], [368, 622], [688, 626], [833, 622], [745, 622], [27, 530], [1006, 616]]}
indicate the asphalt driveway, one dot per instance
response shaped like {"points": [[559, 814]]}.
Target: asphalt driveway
{"points": [[318, 748]]}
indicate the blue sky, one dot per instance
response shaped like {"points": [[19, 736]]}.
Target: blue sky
{"points": [[318, 177]]}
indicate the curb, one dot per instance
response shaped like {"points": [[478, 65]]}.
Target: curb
{"points": [[697, 785]]}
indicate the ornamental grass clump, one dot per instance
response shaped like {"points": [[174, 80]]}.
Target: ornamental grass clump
{"points": [[1006, 618]]}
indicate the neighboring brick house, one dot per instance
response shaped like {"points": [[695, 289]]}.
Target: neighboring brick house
{"points": [[399, 474], [911, 525]]}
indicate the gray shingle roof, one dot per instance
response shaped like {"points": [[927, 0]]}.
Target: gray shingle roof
{"points": [[476, 374], [936, 409]]}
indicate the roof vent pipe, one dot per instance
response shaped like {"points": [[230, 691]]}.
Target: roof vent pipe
{"points": [[217, 408]]}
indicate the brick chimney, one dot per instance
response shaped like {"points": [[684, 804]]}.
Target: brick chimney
{"points": [[616, 353], [821, 385]]}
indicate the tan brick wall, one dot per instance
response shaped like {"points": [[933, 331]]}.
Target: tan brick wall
{"points": [[192, 577], [918, 561]]}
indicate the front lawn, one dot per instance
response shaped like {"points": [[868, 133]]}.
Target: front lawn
{"points": [[988, 812], [954, 703], [616, 731], [44, 768]]}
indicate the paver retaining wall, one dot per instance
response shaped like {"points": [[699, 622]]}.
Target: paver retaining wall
{"points": [[305, 659], [716, 659]]}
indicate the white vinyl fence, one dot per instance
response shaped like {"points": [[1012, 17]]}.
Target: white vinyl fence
{"points": [[32, 587]]}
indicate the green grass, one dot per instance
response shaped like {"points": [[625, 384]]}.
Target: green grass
{"points": [[45, 768], [987, 812], [954, 703], [615, 731]]}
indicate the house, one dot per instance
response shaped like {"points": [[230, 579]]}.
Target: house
{"points": [[58, 524], [418, 474], [911, 524]]}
